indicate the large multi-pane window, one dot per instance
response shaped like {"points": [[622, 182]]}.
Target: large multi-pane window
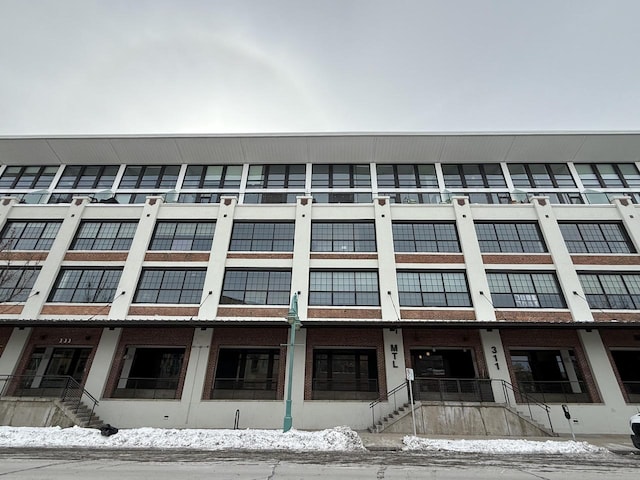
{"points": [[154, 372], [425, 237], [256, 287], [344, 374], [596, 238], [27, 177], [276, 176], [510, 237], [247, 373], [341, 176], [608, 175], [612, 290], [19, 235], [262, 237], [212, 176], [473, 175], [95, 235], [407, 176], [16, 283], [343, 237], [170, 285], [150, 176], [433, 289], [88, 176], [541, 175], [525, 290], [344, 288], [195, 236], [86, 285]]}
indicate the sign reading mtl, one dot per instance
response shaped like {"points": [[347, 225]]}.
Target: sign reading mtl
{"points": [[394, 354]]}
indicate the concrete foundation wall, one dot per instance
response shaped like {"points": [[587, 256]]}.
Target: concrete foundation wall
{"points": [[32, 413], [465, 419]]}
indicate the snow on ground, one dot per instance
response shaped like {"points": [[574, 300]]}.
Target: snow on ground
{"points": [[502, 446], [334, 439]]}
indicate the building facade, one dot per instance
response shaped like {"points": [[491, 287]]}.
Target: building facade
{"points": [[158, 271]]}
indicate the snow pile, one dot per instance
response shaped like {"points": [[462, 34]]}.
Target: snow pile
{"points": [[335, 439], [502, 446]]}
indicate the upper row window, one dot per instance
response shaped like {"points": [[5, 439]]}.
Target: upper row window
{"points": [[541, 175], [276, 176], [407, 176], [77, 176], [28, 177], [473, 175], [212, 176], [608, 175], [150, 176], [341, 176]]}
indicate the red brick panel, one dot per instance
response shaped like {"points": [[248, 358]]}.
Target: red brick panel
{"points": [[517, 259], [149, 337], [344, 337], [267, 256], [355, 313], [533, 316], [613, 260], [625, 317], [176, 257], [252, 312], [96, 256], [58, 309], [409, 314], [428, 258], [549, 338], [266, 337], [5, 333], [23, 256], [164, 311]]}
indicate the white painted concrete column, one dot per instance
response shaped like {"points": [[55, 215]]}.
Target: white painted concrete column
{"points": [[50, 267], [102, 362], [300, 283], [394, 359], [196, 374], [602, 369], [6, 205], [629, 214], [565, 270], [497, 366], [133, 266], [13, 351], [217, 259]]}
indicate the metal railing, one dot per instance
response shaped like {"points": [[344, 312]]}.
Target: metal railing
{"points": [[63, 387], [462, 389], [241, 389], [560, 391], [354, 389], [147, 387]]}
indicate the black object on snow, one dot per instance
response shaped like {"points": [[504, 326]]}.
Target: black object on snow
{"points": [[107, 430]]}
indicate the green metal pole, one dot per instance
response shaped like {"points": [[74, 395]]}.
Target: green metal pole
{"points": [[294, 321]]}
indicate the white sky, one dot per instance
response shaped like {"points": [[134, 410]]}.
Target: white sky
{"points": [[241, 66]]}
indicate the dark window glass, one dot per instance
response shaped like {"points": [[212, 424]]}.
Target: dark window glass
{"points": [[406, 176], [155, 373], [27, 177], [413, 197], [341, 197], [200, 197], [150, 176], [271, 197], [78, 285], [276, 176], [525, 290], [17, 235], [262, 237], [510, 237], [425, 237], [247, 373], [170, 286], [612, 291], [608, 175], [345, 374], [596, 238], [343, 237], [541, 175], [433, 289], [256, 287], [340, 176], [344, 288], [186, 236], [473, 175], [16, 283], [212, 176], [94, 235], [91, 176]]}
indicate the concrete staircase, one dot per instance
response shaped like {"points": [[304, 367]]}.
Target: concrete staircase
{"points": [[393, 417], [79, 413]]}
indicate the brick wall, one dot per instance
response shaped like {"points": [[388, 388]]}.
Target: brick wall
{"points": [[266, 337], [344, 337], [149, 337]]}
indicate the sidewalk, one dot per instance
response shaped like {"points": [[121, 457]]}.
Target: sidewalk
{"points": [[620, 444]]}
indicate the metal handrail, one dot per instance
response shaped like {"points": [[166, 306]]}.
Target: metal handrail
{"points": [[70, 389], [390, 393]]}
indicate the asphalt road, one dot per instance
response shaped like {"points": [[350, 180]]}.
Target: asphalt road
{"points": [[54, 464]]}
